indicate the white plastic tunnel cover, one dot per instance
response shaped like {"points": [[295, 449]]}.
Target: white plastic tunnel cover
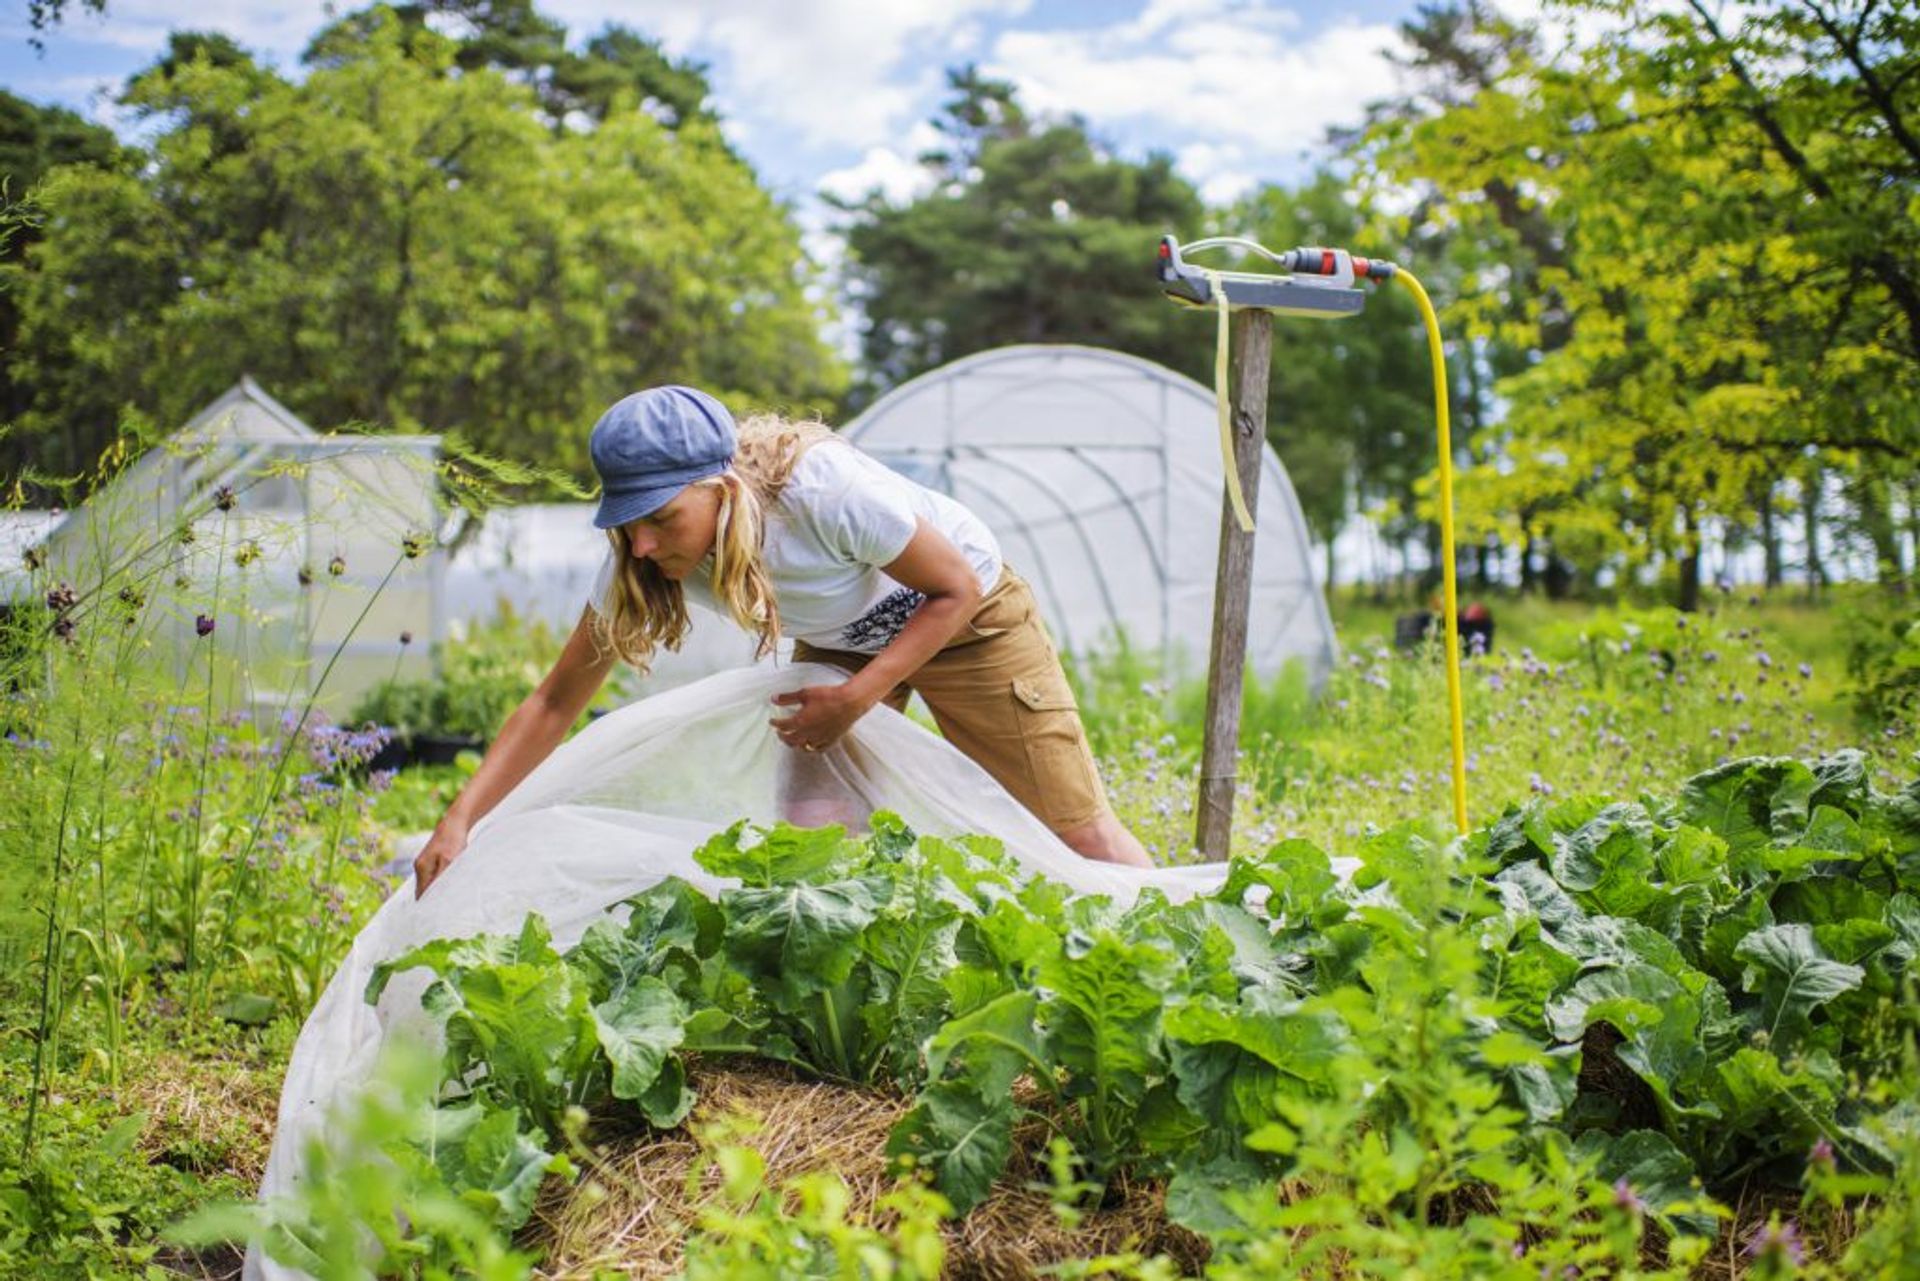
{"points": [[1100, 474]]}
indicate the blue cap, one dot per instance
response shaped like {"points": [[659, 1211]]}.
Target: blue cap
{"points": [[653, 444]]}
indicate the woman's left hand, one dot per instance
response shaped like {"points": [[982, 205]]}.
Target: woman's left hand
{"points": [[822, 714]]}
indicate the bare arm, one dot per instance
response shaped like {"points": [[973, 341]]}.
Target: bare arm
{"points": [[939, 571], [529, 736]]}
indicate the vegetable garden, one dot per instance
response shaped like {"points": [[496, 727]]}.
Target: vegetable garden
{"points": [[1653, 1017]]}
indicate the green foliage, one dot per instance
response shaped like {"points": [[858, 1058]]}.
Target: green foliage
{"points": [[1701, 223], [1883, 658], [402, 240], [1031, 233], [551, 1036]]}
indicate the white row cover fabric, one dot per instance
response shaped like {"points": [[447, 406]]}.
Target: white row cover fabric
{"points": [[1100, 475], [620, 807]]}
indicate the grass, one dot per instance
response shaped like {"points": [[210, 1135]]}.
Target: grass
{"points": [[1573, 699]]}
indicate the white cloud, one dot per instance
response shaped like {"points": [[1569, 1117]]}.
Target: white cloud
{"points": [[896, 173], [278, 30], [838, 73], [1223, 172], [1236, 88]]}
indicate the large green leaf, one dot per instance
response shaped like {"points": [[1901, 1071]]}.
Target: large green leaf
{"points": [[487, 1159], [994, 1045], [528, 1023], [1293, 883], [1664, 1026], [1301, 1041], [1610, 853], [534, 944], [1651, 1168], [1101, 1012], [909, 955], [964, 1138], [777, 855], [797, 940], [1793, 976], [639, 1028]]}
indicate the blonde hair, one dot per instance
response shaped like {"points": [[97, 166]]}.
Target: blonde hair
{"points": [[649, 610]]}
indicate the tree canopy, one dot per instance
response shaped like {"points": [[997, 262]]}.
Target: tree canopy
{"points": [[411, 236]]}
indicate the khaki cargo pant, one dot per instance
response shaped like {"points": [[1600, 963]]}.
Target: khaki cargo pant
{"points": [[998, 693]]}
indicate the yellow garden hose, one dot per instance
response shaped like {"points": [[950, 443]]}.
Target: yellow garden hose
{"points": [[1451, 588], [1327, 262]]}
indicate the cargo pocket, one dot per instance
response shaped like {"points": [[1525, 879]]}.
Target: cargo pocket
{"points": [[1067, 789], [1006, 607]]}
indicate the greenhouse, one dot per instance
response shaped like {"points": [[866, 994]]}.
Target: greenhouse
{"points": [[290, 542], [1100, 475]]}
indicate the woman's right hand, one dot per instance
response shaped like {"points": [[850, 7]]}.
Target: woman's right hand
{"points": [[444, 846]]}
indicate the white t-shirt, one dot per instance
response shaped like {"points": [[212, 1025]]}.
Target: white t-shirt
{"points": [[840, 517]]}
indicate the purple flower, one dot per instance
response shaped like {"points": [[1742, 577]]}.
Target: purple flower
{"points": [[1806, 671], [1821, 1154], [1625, 1198], [202, 625], [1778, 1242], [406, 638], [223, 498]]}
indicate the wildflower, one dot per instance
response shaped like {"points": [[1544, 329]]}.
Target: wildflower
{"points": [[223, 498], [1775, 1242], [1540, 786], [1806, 671], [61, 598], [63, 627], [246, 553], [1821, 1154], [337, 566], [202, 625], [1625, 1197], [1763, 658]]}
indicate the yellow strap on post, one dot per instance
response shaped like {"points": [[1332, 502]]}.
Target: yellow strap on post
{"points": [[1223, 397], [1446, 546]]}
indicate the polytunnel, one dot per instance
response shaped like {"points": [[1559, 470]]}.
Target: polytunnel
{"points": [[1100, 474]]}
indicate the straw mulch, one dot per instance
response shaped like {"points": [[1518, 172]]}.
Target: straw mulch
{"points": [[635, 1219]]}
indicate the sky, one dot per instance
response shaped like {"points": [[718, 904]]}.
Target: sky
{"points": [[834, 95]]}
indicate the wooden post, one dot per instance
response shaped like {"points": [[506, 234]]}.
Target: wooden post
{"points": [[1233, 583]]}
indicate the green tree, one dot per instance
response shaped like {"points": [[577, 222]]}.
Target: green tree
{"points": [[34, 140], [1032, 232], [1740, 285], [395, 243], [515, 39]]}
